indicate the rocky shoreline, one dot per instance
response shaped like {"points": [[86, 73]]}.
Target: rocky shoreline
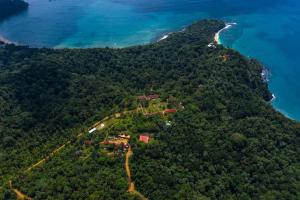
{"points": [[4, 41]]}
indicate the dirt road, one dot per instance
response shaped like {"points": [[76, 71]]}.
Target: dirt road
{"points": [[131, 186], [18, 193]]}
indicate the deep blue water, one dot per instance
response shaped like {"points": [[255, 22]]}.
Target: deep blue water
{"points": [[266, 29]]}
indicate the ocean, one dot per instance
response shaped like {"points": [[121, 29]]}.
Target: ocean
{"points": [[267, 30]]}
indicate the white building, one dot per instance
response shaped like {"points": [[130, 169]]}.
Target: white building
{"points": [[92, 130]]}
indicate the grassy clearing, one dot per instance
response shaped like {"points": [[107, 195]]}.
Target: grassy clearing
{"points": [[89, 151]]}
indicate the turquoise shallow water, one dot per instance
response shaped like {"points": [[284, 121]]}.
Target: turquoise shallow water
{"points": [[268, 30]]}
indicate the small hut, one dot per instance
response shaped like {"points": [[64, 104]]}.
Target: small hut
{"points": [[144, 138]]}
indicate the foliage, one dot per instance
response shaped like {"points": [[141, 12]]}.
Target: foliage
{"points": [[226, 143]]}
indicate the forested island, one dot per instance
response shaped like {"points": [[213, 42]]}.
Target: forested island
{"points": [[11, 7], [194, 121]]}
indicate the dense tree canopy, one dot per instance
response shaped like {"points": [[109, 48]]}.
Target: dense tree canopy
{"points": [[227, 143]]}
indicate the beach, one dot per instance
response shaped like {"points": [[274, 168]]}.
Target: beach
{"points": [[217, 35], [164, 37]]}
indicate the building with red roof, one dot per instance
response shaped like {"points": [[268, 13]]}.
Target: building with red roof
{"points": [[149, 97], [144, 138], [153, 96], [167, 111], [142, 98]]}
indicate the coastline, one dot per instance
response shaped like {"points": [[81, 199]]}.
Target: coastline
{"points": [[265, 73], [217, 35], [6, 41], [163, 37], [166, 35]]}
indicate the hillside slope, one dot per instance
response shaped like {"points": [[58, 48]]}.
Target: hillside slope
{"points": [[227, 143]]}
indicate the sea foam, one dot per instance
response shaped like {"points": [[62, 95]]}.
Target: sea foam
{"points": [[5, 41], [217, 35], [163, 37]]}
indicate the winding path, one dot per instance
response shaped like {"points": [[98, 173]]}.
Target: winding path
{"points": [[131, 186], [18, 193]]}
